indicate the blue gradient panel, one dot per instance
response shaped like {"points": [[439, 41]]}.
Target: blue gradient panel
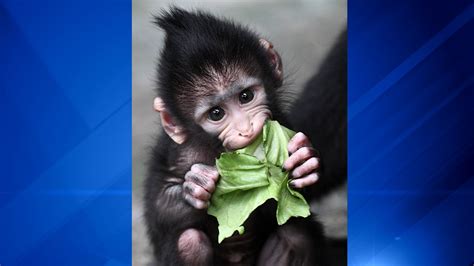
{"points": [[411, 133], [65, 112]]}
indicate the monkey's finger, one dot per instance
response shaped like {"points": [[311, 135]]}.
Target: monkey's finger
{"points": [[196, 203], [196, 191], [304, 181], [200, 180], [307, 167], [298, 157], [297, 141], [206, 170]]}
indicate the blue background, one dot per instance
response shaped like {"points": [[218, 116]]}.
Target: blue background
{"points": [[65, 111], [411, 133]]}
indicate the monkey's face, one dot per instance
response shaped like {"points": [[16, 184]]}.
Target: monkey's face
{"points": [[237, 115], [220, 87]]}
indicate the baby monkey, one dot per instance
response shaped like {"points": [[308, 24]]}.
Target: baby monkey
{"points": [[218, 82]]}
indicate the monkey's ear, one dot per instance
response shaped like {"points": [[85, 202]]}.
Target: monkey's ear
{"points": [[275, 59], [176, 132]]}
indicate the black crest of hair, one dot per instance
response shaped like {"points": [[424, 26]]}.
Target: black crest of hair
{"points": [[196, 40]]}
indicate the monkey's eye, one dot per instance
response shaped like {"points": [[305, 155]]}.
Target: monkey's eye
{"points": [[246, 96], [216, 113]]}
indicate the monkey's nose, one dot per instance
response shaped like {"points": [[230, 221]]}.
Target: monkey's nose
{"points": [[248, 132]]}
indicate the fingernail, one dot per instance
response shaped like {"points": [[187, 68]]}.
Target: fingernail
{"points": [[291, 184]]}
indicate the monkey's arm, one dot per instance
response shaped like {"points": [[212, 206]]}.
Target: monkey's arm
{"points": [[166, 211], [168, 216], [166, 208]]}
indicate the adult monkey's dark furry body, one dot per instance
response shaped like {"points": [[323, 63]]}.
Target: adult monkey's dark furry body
{"points": [[298, 242], [323, 116]]}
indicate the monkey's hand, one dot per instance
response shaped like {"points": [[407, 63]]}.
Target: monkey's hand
{"points": [[199, 184], [302, 161]]}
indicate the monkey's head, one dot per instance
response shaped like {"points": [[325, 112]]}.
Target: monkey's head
{"points": [[215, 76]]}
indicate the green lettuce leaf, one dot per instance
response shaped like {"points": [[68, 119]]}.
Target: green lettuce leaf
{"points": [[252, 175]]}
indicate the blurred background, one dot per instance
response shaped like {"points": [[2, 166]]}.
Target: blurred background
{"points": [[301, 31]]}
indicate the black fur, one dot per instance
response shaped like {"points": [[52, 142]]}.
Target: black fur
{"points": [[321, 113], [166, 213]]}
